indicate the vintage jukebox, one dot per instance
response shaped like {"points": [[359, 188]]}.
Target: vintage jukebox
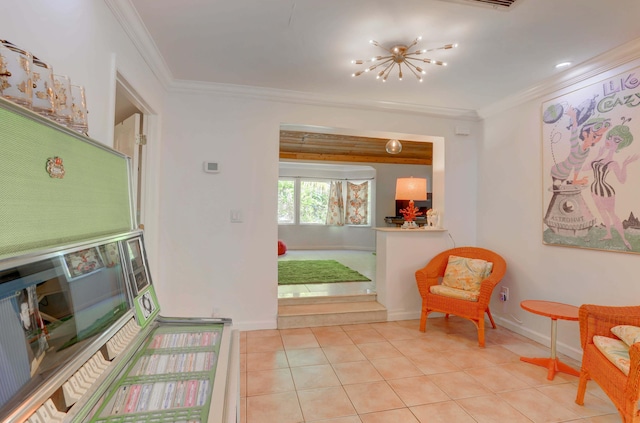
{"points": [[82, 338]]}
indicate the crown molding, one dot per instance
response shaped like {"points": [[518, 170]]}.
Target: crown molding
{"points": [[130, 20], [314, 99], [595, 66]]}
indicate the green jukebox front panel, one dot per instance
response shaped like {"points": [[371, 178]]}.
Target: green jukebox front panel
{"points": [[56, 187]]}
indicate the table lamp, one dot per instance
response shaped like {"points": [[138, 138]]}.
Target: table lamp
{"points": [[411, 189]]}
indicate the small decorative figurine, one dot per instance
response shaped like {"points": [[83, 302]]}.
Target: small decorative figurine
{"points": [[435, 219]]}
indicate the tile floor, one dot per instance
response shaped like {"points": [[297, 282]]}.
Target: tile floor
{"points": [[392, 373], [361, 261]]}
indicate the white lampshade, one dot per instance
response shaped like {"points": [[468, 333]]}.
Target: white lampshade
{"points": [[411, 189]]}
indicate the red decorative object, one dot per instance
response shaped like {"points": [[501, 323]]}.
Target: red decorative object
{"points": [[410, 212], [282, 248]]}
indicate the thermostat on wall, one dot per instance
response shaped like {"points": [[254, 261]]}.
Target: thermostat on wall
{"points": [[211, 167]]}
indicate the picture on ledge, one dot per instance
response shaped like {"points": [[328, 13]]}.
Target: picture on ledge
{"points": [[591, 166], [138, 271], [82, 263]]}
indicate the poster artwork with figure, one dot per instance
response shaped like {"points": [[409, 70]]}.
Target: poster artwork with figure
{"points": [[591, 171]]}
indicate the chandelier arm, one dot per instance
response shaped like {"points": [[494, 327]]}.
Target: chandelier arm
{"points": [[411, 66], [415, 58], [378, 58], [378, 65], [425, 60], [388, 71], [444, 47], [388, 50], [413, 43]]}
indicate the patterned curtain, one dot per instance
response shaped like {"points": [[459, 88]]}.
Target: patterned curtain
{"points": [[335, 210], [357, 203]]}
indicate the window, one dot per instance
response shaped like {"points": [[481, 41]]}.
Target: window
{"points": [[286, 201], [314, 199], [305, 201]]}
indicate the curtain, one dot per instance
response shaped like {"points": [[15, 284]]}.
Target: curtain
{"points": [[357, 203], [335, 210]]}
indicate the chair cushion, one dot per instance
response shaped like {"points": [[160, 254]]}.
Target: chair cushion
{"points": [[466, 273], [460, 294], [615, 351], [629, 334]]}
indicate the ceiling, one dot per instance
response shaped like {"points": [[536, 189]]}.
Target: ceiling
{"points": [[306, 46]]}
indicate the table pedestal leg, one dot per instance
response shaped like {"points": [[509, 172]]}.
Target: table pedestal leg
{"points": [[553, 364]]}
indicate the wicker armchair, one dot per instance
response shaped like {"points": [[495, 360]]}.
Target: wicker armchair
{"points": [[623, 390], [433, 272]]}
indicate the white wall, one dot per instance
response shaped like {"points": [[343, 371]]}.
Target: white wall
{"points": [[210, 263], [82, 39], [510, 213]]}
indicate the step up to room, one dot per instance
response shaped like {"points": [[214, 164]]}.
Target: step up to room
{"points": [[329, 311]]}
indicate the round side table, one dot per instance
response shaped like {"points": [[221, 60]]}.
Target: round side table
{"points": [[554, 311]]}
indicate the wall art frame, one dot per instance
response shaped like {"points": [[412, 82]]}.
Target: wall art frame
{"points": [[591, 166]]}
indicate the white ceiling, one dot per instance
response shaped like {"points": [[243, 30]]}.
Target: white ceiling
{"points": [[306, 46]]}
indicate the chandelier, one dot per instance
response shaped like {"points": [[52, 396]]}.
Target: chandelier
{"points": [[400, 55]]}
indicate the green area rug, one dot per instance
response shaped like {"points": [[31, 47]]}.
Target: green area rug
{"points": [[291, 272]]}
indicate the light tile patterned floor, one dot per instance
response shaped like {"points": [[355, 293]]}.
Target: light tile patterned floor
{"points": [[360, 261], [393, 373]]}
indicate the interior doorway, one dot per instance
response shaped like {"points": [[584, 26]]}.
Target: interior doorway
{"points": [[350, 151], [130, 139]]}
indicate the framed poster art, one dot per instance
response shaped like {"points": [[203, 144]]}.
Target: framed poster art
{"points": [[591, 166]]}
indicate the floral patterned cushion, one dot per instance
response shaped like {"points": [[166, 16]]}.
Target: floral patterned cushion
{"points": [[460, 294], [466, 273], [629, 334], [615, 350]]}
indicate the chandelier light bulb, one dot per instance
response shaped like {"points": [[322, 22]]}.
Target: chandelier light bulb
{"points": [[400, 55]]}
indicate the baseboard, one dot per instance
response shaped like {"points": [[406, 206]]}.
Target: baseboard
{"points": [[256, 325], [329, 247], [393, 315], [544, 339]]}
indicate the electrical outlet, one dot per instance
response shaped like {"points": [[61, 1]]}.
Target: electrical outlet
{"points": [[504, 294]]}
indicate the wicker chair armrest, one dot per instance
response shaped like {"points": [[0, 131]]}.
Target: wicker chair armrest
{"points": [[430, 274], [486, 289], [632, 390], [598, 320], [425, 279]]}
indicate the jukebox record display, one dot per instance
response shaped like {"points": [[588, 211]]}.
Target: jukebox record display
{"points": [[171, 378]]}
